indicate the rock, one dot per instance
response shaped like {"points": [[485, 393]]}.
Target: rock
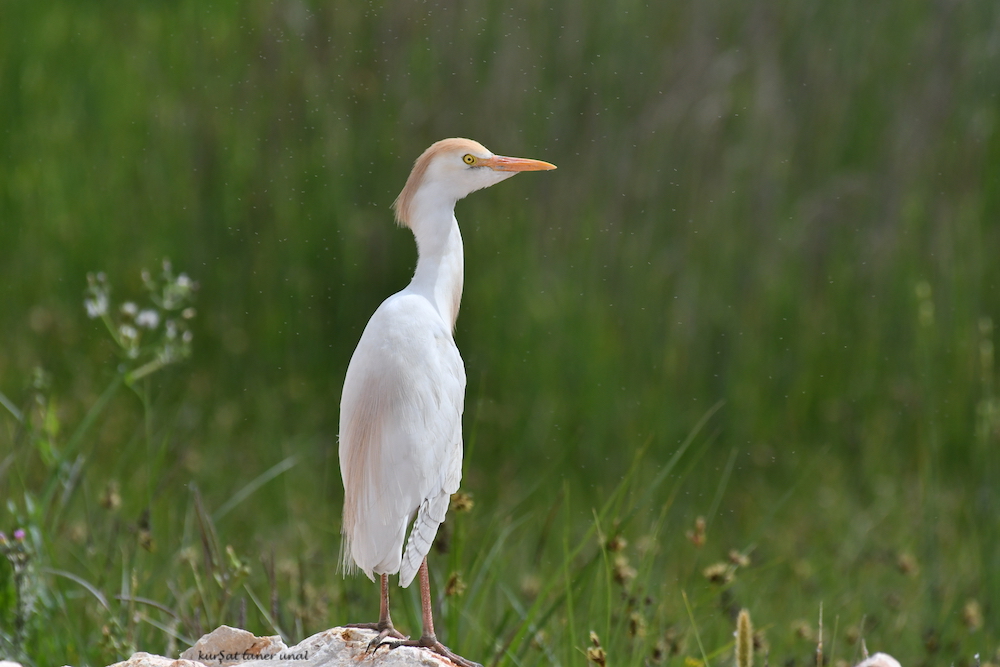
{"points": [[226, 646], [345, 647], [337, 647], [880, 660], [141, 659]]}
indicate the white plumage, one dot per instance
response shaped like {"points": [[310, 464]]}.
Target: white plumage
{"points": [[401, 435], [401, 408]]}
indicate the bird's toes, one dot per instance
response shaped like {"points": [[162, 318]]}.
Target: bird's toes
{"points": [[363, 626], [433, 644], [424, 642], [382, 639], [454, 657]]}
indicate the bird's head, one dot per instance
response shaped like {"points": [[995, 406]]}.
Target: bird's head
{"points": [[452, 168]]}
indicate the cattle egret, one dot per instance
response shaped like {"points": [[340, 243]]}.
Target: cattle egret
{"points": [[401, 409]]}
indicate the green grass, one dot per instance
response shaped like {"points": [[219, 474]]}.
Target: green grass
{"points": [[785, 209]]}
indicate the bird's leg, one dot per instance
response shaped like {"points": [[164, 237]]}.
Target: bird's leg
{"points": [[428, 639], [384, 625]]}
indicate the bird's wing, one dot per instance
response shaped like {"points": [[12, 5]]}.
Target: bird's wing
{"points": [[400, 434]]}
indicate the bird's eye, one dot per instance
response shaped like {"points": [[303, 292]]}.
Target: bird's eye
{"points": [[469, 159]]}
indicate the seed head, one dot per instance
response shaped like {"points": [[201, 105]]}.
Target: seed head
{"points": [[697, 536], [455, 585], [739, 559], [462, 502], [744, 640], [595, 652], [907, 564], [719, 573], [111, 499], [972, 615], [623, 571], [636, 625], [617, 543]]}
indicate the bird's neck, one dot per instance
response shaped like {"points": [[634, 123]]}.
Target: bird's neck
{"points": [[440, 265]]}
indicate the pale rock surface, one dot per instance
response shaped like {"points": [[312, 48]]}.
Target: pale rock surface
{"points": [[880, 660], [226, 646], [141, 659], [337, 647]]}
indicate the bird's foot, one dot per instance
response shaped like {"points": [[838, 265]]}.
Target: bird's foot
{"points": [[384, 630], [431, 642]]}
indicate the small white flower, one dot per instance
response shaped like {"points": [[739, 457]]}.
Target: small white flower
{"points": [[183, 281], [97, 306], [130, 309], [171, 329], [188, 313], [172, 352], [148, 318], [187, 336], [128, 333]]}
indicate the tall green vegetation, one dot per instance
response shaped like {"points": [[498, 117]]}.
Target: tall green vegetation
{"points": [[771, 246]]}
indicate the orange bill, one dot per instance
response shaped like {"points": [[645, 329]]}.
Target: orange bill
{"points": [[502, 163]]}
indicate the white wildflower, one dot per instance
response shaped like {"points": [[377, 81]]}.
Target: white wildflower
{"points": [[187, 336], [128, 333], [130, 309], [97, 306], [148, 318], [171, 329], [183, 281], [188, 313]]}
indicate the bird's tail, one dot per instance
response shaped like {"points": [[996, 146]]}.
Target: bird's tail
{"points": [[347, 564], [429, 517]]}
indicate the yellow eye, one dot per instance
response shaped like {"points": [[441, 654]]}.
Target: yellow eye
{"points": [[469, 159]]}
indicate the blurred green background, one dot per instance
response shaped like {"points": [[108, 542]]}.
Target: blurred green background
{"points": [[790, 207]]}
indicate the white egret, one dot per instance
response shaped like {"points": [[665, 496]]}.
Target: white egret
{"points": [[401, 409]]}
